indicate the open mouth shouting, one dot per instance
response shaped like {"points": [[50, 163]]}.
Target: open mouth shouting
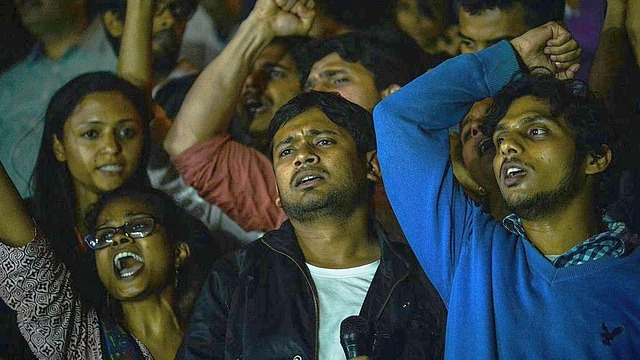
{"points": [[126, 264], [512, 173], [255, 104], [485, 146]]}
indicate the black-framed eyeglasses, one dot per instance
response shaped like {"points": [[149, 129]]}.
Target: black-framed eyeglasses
{"points": [[179, 9], [136, 229]]}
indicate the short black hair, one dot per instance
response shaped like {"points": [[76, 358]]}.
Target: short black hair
{"points": [[536, 12], [353, 118], [585, 113], [391, 59]]}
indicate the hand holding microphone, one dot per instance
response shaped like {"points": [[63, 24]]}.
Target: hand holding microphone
{"points": [[355, 338]]}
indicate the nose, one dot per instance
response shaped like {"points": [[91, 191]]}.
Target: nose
{"points": [[305, 157], [111, 143], [120, 238], [253, 81], [164, 18], [509, 145]]}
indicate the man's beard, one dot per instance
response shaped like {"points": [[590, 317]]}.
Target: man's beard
{"points": [[165, 55], [547, 203], [340, 202]]}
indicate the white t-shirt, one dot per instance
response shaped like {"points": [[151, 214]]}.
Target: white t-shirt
{"points": [[341, 293]]}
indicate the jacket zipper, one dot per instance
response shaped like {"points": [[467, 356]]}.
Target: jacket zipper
{"points": [[386, 300], [313, 295]]}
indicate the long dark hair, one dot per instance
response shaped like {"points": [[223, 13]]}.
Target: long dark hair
{"points": [[54, 198]]}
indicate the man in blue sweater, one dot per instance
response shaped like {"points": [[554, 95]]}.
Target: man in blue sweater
{"points": [[554, 281]]}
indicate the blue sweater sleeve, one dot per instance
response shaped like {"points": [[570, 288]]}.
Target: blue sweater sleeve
{"points": [[413, 149]]}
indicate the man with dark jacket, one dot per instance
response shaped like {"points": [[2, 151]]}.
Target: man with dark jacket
{"points": [[286, 295]]}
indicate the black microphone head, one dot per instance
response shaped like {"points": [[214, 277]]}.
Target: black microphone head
{"points": [[355, 337]]}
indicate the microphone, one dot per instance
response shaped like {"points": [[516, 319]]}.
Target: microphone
{"points": [[354, 336]]}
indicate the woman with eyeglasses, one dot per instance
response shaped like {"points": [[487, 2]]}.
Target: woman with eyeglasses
{"points": [[95, 140], [143, 257]]}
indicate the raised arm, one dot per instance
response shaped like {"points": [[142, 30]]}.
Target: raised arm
{"points": [[633, 27], [612, 54], [51, 317], [134, 58], [16, 227], [412, 131], [210, 104]]}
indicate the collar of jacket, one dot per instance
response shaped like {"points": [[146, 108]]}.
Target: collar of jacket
{"points": [[394, 266]]}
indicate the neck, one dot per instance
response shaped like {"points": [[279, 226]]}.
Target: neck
{"points": [[154, 322], [57, 44], [338, 243], [558, 232]]}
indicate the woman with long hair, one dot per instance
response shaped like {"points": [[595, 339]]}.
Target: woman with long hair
{"points": [[140, 249], [95, 140]]}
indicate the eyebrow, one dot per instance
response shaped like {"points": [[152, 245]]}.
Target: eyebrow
{"points": [[312, 132], [100, 122], [127, 216], [525, 121]]}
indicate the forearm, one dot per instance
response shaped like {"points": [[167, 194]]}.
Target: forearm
{"points": [[633, 27], [412, 131], [16, 227], [135, 57], [609, 60], [210, 103]]}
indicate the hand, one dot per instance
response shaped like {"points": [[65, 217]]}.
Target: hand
{"points": [[286, 17], [470, 186], [550, 46]]}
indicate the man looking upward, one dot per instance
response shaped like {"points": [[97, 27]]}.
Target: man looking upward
{"points": [[558, 280], [286, 294]]}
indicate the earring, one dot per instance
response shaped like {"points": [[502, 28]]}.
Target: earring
{"points": [[176, 276]]}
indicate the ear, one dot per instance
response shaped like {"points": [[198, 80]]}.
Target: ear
{"points": [[182, 252], [389, 90], [113, 23], [58, 149], [598, 163], [373, 173], [278, 201]]}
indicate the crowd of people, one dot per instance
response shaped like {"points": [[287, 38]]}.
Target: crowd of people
{"points": [[457, 176]]}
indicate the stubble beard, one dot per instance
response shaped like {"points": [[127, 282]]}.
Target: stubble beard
{"points": [[340, 202], [547, 203], [165, 58]]}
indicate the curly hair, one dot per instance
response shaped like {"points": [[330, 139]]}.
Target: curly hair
{"points": [[584, 111]]}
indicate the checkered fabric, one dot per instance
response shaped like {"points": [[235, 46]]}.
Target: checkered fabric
{"points": [[612, 242]]}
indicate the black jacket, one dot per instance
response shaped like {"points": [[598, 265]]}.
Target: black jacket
{"points": [[261, 303]]}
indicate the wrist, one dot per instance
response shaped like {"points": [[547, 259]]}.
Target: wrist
{"points": [[615, 15]]}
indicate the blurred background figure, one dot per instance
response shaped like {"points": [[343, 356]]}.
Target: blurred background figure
{"points": [[68, 43]]}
